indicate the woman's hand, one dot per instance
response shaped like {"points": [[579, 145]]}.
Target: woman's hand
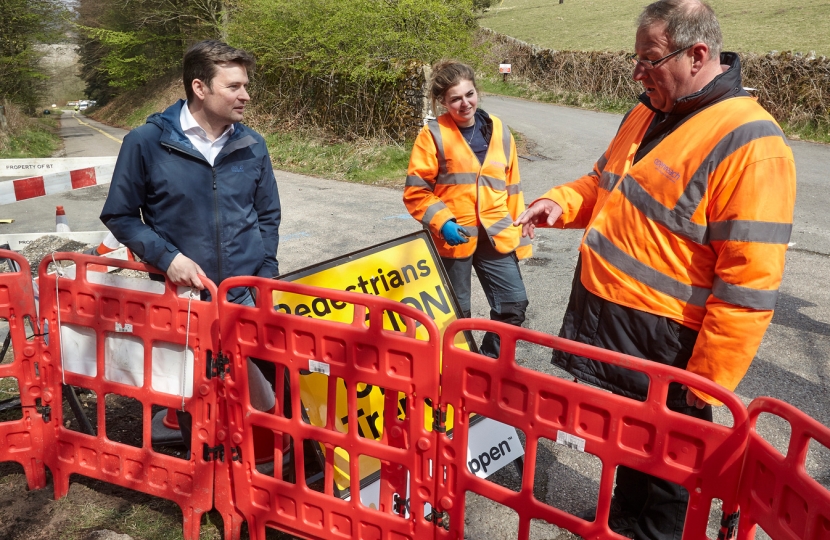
{"points": [[454, 233]]}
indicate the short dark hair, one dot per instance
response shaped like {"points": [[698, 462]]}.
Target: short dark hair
{"points": [[687, 22], [201, 59]]}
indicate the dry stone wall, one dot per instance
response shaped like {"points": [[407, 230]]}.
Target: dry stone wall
{"points": [[793, 87]]}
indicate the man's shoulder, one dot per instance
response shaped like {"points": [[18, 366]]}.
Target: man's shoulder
{"points": [[150, 131], [249, 131]]}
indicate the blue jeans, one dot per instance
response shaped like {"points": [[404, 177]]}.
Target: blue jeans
{"points": [[501, 280]]}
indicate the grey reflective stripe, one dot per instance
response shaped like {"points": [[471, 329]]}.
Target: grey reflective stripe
{"points": [[602, 162], [492, 183], [514, 189], [655, 211], [244, 142], [433, 209], [744, 296], [525, 241], [643, 273], [608, 180], [416, 181], [471, 231], [678, 219], [505, 134], [764, 232], [500, 225], [435, 129], [731, 142], [454, 179]]}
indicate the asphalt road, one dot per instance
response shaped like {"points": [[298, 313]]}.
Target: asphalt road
{"points": [[323, 219]]}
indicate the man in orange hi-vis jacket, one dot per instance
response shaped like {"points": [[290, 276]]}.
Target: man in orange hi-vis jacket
{"points": [[687, 217]]}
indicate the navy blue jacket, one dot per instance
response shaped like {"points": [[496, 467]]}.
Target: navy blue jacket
{"points": [[225, 218]]}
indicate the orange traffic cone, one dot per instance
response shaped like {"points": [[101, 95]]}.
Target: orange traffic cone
{"points": [[61, 224], [109, 244]]}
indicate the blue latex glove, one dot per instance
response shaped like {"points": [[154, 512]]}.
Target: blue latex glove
{"points": [[454, 233]]}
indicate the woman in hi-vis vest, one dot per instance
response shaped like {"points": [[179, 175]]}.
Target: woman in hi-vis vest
{"points": [[463, 185]]}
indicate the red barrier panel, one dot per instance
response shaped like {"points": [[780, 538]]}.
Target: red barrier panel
{"points": [[21, 440], [104, 329], [776, 491], [703, 457], [352, 353]]}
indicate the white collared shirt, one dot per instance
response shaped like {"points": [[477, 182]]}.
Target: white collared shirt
{"points": [[198, 136]]}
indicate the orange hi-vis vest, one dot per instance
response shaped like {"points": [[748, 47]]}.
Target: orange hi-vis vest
{"points": [[445, 180], [696, 230]]}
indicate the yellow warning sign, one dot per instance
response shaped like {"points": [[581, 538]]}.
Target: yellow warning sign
{"points": [[407, 270]]}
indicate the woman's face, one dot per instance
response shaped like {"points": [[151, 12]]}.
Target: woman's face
{"points": [[461, 102]]}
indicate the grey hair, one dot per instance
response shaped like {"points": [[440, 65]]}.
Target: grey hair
{"points": [[687, 22]]}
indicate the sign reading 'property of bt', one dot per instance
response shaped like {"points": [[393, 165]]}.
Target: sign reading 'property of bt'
{"points": [[407, 270]]}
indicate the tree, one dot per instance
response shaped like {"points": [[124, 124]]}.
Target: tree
{"points": [[24, 24]]}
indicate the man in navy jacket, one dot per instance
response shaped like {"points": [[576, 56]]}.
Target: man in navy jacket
{"points": [[193, 192], [201, 180]]}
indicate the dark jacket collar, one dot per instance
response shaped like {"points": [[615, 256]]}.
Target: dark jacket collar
{"points": [[173, 136], [727, 84]]}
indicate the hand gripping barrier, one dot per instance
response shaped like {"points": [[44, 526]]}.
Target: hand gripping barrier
{"points": [[103, 326], [703, 457], [358, 351], [776, 491], [21, 440]]}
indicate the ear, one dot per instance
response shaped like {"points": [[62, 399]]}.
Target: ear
{"points": [[700, 56], [200, 89]]}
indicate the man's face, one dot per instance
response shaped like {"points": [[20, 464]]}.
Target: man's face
{"points": [[671, 79], [226, 98]]}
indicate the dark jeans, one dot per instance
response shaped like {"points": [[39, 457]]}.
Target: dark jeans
{"points": [[659, 505], [501, 280]]}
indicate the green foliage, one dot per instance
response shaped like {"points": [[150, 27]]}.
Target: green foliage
{"points": [[125, 44], [366, 162], [33, 138], [358, 39], [23, 25]]}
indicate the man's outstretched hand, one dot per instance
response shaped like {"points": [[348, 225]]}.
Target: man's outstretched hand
{"points": [[185, 273], [542, 212]]}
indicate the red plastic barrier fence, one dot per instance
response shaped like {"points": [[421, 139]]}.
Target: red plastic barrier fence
{"points": [[776, 491], [703, 457], [359, 351], [21, 440], [103, 327]]}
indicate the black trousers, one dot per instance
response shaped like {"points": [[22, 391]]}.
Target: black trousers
{"points": [[659, 506]]}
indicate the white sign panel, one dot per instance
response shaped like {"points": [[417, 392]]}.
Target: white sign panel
{"points": [[41, 166], [504, 68]]}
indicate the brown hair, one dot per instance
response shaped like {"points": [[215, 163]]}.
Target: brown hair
{"points": [[445, 75], [201, 59]]}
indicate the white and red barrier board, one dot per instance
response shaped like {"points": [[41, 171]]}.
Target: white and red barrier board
{"points": [[49, 184]]}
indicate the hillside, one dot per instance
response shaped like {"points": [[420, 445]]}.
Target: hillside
{"points": [[748, 25]]}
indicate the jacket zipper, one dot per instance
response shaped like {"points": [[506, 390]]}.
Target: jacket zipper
{"points": [[218, 228]]}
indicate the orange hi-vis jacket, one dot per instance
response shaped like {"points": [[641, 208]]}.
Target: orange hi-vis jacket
{"points": [[445, 180], [696, 230]]}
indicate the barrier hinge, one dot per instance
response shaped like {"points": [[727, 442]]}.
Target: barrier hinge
{"points": [[217, 367], [439, 420], [439, 519], [729, 526], [213, 453]]}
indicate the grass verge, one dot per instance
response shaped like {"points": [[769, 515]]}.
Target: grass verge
{"points": [[30, 138], [364, 161]]}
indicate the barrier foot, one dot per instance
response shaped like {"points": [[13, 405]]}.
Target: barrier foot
{"points": [[61, 484], [233, 525], [191, 524], [35, 474]]}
